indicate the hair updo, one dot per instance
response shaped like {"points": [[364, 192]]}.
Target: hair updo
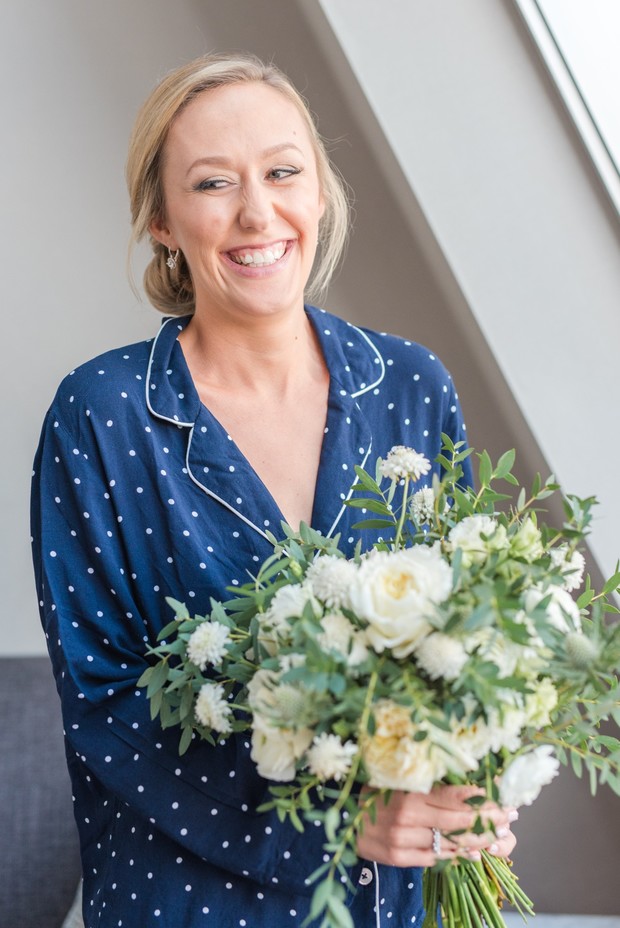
{"points": [[171, 290]]}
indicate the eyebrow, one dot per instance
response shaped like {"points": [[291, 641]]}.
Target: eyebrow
{"points": [[224, 161]]}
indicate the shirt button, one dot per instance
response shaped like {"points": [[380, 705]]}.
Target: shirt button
{"points": [[365, 876]]}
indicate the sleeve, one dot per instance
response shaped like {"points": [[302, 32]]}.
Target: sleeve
{"points": [[97, 637]]}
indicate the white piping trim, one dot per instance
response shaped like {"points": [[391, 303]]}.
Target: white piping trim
{"points": [[350, 493], [377, 895], [381, 362], [214, 495], [148, 380]]}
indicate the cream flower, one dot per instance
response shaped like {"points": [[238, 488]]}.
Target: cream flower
{"points": [[276, 750], [572, 567], [477, 536], [288, 603], [404, 462], [211, 708], [330, 759], [395, 592], [561, 611], [391, 756], [540, 703], [505, 727], [329, 579], [422, 506], [207, 645], [523, 780], [340, 635], [527, 542], [441, 656]]}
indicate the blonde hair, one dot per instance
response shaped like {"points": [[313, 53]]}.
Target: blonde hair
{"points": [[171, 290]]}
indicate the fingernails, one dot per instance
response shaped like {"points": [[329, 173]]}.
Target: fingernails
{"points": [[474, 855], [513, 815], [502, 832], [493, 848]]}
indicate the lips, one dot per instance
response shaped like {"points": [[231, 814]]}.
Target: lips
{"points": [[258, 257]]}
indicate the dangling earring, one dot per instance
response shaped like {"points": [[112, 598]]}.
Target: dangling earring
{"points": [[172, 258]]}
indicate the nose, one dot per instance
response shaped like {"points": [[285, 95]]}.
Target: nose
{"points": [[256, 209]]}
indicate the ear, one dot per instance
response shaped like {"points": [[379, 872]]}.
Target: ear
{"points": [[161, 232]]}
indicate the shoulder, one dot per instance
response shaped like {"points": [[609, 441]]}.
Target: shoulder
{"points": [[394, 356], [110, 380]]}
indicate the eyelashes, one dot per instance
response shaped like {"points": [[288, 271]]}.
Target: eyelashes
{"points": [[221, 183]]}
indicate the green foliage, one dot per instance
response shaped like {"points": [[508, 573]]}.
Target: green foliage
{"points": [[506, 610]]}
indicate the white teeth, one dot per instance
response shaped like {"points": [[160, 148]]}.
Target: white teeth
{"points": [[261, 258]]}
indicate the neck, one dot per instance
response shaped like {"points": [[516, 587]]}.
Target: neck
{"points": [[266, 355]]}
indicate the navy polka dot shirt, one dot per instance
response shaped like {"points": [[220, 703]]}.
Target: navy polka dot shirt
{"points": [[138, 494]]}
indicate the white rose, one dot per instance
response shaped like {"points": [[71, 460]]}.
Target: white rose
{"points": [[523, 780], [275, 750], [468, 536], [393, 759], [395, 592]]}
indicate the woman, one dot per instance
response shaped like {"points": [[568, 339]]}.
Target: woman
{"points": [[162, 465]]}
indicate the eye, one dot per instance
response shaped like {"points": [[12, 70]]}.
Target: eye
{"points": [[212, 183], [283, 173]]}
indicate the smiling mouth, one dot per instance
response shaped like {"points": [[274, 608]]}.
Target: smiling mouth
{"points": [[258, 257]]}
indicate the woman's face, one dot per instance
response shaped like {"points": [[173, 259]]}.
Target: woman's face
{"points": [[242, 199]]}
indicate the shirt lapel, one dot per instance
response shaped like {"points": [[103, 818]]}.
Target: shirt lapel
{"points": [[215, 463]]}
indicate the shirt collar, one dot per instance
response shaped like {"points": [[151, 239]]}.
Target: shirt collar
{"points": [[352, 359]]}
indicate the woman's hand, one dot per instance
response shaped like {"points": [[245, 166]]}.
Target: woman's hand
{"points": [[417, 829]]}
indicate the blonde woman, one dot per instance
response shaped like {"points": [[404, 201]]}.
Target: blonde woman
{"points": [[160, 469]]}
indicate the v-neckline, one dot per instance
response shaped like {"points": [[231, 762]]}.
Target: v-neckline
{"points": [[218, 466]]}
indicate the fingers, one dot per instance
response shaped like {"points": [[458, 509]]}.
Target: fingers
{"points": [[416, 830]]}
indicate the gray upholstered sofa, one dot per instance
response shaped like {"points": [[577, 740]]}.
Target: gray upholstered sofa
{"points": [[39, 859]]}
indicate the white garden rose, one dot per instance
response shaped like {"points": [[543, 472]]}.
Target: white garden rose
{"points": [[523, 780], [276, 750], [395, 592], [477, 536], [391, 756]]}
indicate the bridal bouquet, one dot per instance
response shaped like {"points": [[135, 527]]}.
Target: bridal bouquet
{"points": [[453, 651]]}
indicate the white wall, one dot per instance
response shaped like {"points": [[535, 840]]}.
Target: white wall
{"points": [[520, 217], [72, 75]]}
